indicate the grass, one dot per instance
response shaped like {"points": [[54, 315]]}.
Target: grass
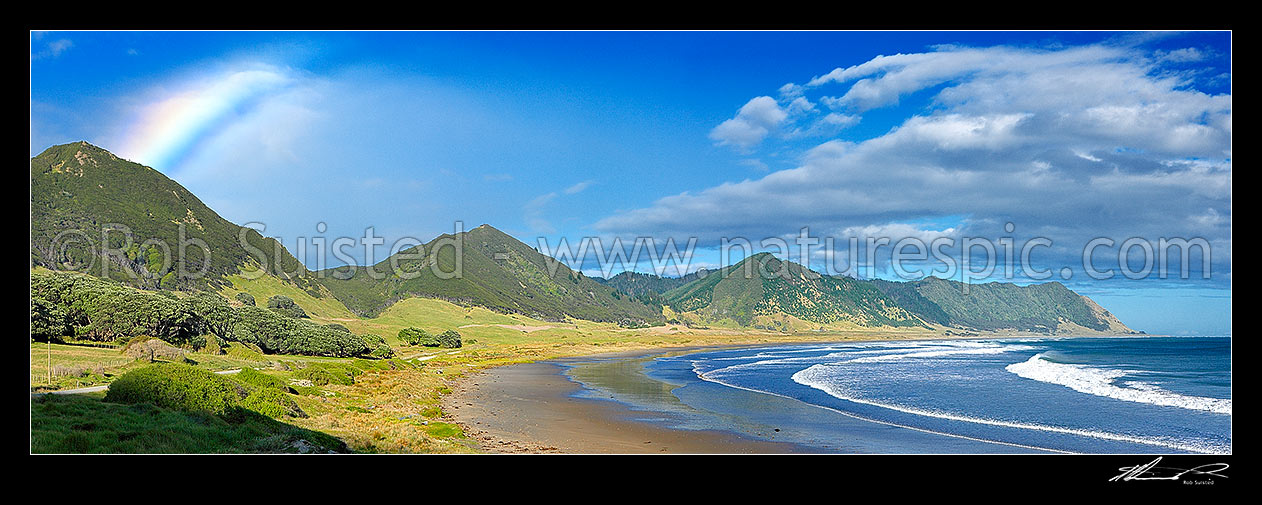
{"points": [[86, 424], [267, 286], [115, 363], [390, 406], [69, 357]]}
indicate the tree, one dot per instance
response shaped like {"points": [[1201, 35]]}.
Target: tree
{"points": [[417, 336], [285, 305], [449, 339]]}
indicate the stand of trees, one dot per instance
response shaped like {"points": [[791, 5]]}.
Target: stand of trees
{"points": [[73, 306], [416, 336]]}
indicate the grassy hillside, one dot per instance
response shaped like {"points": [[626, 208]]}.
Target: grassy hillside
{"points": [[497, 272], [325, 306], [764, 286], [78, 189], [1043, 308]]}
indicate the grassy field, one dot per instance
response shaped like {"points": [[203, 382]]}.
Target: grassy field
{"points": [[392, 406], [84, 424]]}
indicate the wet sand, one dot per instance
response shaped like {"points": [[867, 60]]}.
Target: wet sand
{"points": [[530, 408]]}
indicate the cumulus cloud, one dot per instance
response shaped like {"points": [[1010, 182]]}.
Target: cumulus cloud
{"points": [[1069, 143], [790, 91], [755, 120]]}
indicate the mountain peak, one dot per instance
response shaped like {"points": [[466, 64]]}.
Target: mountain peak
{"points": [[82, 152]]}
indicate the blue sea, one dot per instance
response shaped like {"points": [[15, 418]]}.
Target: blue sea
{"points": [[1118, 395]]}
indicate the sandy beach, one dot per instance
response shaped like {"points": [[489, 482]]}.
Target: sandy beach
{"points": [[530, 408], [605, 403]]}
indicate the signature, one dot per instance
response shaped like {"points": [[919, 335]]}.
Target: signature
{"points": [[1151, 471]]}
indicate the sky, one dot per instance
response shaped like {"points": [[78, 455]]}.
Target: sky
{"points": [[1065, 136]]}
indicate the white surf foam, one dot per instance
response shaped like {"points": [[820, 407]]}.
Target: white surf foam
{"points": [[1102, 382], [868, 352], [943, 352], [707, 378], [818, 377]]}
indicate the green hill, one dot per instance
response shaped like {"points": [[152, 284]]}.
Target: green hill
{"points": [[79, 189], [497, 272], [786, 292], [647, 285], [1044, 308], [763, 285]]}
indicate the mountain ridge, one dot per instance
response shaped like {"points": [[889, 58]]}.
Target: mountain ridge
{"points": [[77, 186], [498, 272], [78, 190]]}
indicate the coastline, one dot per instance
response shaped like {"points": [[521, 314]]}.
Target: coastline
{"points": [[533, 408], [537, 407]]}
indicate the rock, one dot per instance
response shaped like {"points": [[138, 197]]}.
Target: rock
{"points": [[303, 446]]}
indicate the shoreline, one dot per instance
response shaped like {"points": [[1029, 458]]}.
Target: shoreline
{"points": [[534, 408]]}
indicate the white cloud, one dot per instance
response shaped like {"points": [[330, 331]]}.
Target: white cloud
{"points": [[755, 120], [800, 105], [578, 188], [52, 49], [1069, 143], [755, 164], [897, 231], [884, 79], [1185, 55], [790, 91], [840, 120]]}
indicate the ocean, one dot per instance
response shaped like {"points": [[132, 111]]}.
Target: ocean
{"points": [[1114, 395]]}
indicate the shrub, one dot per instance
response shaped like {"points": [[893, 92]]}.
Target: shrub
{"points": [[254, 380], [380, 349], [177, 386], [285, 305], [417, 336], [449, 339], [151, 349], [338, 327], [277, 334], [323, 374], [69, 305], [321, 377], [272, 403], [245, 299]]}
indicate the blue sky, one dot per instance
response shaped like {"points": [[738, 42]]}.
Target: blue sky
{"points": [[1069, 136]]}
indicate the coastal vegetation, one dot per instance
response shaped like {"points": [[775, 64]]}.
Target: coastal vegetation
{"points": [[346, 361], [69, 306]]}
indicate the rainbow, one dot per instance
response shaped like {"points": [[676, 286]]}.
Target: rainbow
{"points": [[166, 131]]}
